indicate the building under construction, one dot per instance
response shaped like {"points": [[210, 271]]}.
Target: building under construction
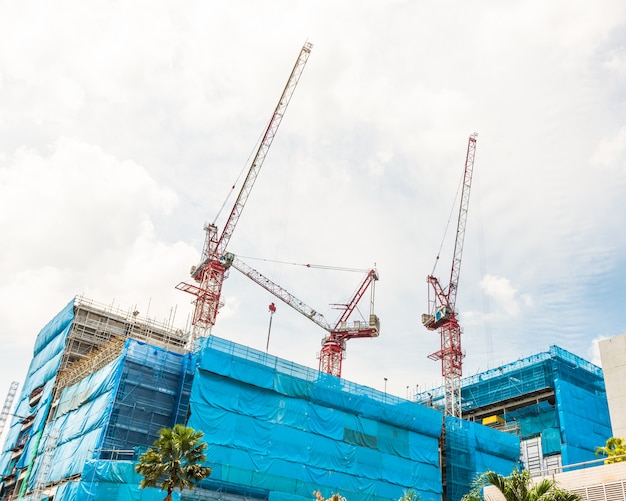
{"points": [[101, 385], [554, 401]]}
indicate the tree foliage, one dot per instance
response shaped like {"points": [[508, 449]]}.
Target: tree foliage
{"points": [[174, 461], [614, 447], [410, 495], [335, 497], [519, 486]]}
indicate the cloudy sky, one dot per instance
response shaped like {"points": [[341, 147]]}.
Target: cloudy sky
{"points": [[124, 126]]}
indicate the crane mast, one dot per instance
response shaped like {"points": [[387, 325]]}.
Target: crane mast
{"points": [[209, 273], [8, 403], [334, 344], [442, 313]]}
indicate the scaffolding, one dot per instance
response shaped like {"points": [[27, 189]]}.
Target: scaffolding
{"points": [[275, 429], [8, 403], [95, 325], [78, 342], [153, 387], [90, 363], [554, 401]]}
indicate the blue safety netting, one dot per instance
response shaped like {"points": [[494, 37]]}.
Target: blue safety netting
{"points": [[107, 480], [584, 421], [153, 388], [573, 423], [289, 430], [76, 429], [114, 410], [276, 430], [27, 425], [472, 449]]}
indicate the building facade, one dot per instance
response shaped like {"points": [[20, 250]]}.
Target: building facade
{"points": [[275, 430], [613, 355], [554, 401]]}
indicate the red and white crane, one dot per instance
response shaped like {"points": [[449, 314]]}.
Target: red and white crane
{"points": [[334, 344], [442, 314], [209, 273]]}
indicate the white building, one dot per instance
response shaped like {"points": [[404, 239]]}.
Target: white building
{"points": [[613, 355]]}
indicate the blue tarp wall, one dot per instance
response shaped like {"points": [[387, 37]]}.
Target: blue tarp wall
{"points": [[584, 420], [105, 481], [276, 430], [112, 411], [471, 449], [108, 480], [289, 430], [47, 355], [153, 389], [574, 424]]}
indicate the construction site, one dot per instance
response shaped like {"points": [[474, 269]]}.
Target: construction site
{"points": [[102, 383]]}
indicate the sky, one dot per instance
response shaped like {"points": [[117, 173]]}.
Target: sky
{"points": [[125, 125]]}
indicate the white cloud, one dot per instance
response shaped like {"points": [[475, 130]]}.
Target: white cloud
{"points": [[125, 125], [505, 295], [594, 351], [79, 222], [611, 153], [616, 62]]}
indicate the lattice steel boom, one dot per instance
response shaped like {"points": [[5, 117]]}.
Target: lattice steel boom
{"points": [[209, 274], [334, 344]]}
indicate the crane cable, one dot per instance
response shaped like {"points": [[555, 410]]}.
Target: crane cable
{"points": [[319, 267], [456, 196], [308, 265], [243, 168]]}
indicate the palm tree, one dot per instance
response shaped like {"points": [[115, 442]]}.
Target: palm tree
{"points": [[614, 447], [518, 486], [335, 497], [173, 462], [410, 495]]}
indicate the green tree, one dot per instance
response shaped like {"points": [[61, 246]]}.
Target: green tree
{"points": [[173, 462], [410, 495], [519, 486], [334, 497], [614, 447]]}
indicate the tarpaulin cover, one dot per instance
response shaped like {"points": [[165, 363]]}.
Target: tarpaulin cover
{"points": [[584, 419], [107, 480], [275, 429], [152, 394], [76, 429], [533, 419], [472, 449], [551, 441], [289, 432], [121, 406], [573, 423], [48, 351]]}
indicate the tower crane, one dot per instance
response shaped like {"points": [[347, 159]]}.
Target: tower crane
{"points": [[8, 402], [442, 314], [334, 344], [209, 273]]}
